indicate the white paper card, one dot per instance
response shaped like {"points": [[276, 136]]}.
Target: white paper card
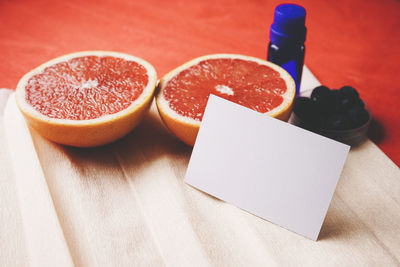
{"points": [[267, 167]]}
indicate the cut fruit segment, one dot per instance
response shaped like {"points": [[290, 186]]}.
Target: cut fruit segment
{"points": [[87, 98], [254, 83]]}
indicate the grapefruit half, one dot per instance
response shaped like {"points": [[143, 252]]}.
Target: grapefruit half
{"points": [[87, 98], [254, 83]]}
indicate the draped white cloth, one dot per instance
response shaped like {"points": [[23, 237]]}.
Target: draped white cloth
{"points": [[126, 204]]}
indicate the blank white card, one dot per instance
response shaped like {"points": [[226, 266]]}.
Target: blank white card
{"points": [[267, 167]]}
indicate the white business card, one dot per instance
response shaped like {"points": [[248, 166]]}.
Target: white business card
{"points": [[267, 167]]}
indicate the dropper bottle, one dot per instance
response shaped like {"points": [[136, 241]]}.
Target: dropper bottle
{"points": [[287, 37]]}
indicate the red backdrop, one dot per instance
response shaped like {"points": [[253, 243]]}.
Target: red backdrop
{"points": [[349, 42]]}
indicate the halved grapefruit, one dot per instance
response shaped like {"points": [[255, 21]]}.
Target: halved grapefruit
{"points": [[87, 98], [254, 83]]}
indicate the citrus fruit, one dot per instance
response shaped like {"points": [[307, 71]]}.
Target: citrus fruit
{"points": [[254, 83], [87, 98]]}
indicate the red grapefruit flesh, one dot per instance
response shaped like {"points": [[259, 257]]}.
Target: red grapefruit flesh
{"points": [[86, 88], [87, 98], [251, 82]]}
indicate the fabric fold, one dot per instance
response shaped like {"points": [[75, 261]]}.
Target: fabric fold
{"points": [[44, 238]]}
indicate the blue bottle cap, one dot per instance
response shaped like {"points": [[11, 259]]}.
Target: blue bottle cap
{"points": [[288, 27]]}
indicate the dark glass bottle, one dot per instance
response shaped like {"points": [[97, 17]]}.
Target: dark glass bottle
{"points": [[287, 37]]}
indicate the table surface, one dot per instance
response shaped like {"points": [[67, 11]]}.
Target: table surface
{"points": [[348, 42]]}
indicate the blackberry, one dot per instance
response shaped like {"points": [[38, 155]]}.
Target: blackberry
{"points": [[321, 95], [346, 98], [358, 116], [350, 92], [337, 121], [306, 110]]}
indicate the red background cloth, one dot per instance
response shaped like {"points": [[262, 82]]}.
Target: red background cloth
{"points": [[348, 42]]}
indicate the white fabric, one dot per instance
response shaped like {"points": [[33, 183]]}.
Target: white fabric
{"points": [[126, 204]]}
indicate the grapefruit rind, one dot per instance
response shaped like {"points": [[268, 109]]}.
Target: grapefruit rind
{"points": [[90, 132], [186, 128]]}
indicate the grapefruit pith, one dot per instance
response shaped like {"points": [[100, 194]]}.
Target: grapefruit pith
{"points": [[254, 83], [87, 98]]}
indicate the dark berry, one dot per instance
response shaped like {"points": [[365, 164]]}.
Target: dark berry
{"points": [[359, 103], [306, 110], [335, 101], [335, 96], [358, 116], [349, 91], [303, 107], [344, 102], [347, 98], [321, 95], [337, 121]]}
